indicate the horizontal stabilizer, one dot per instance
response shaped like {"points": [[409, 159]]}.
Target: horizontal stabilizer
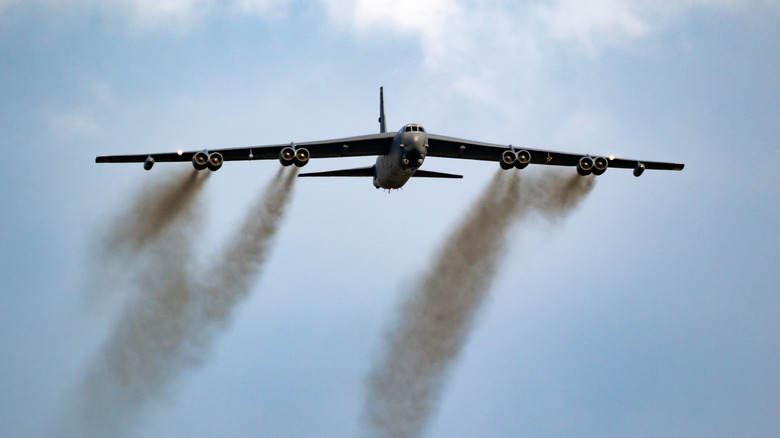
{"points": [[429, 174], [369, 171], [360, 171]]}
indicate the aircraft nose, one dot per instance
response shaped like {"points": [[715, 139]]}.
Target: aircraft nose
{"points": [[419, 143]]}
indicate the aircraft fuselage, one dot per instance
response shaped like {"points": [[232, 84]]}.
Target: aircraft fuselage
{"points": [[406, 155]]}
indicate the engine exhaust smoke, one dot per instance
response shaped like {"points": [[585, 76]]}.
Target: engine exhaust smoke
{"points": [[145, 219], [153, 211], [243, 258], [434, 321], [167, 330]]}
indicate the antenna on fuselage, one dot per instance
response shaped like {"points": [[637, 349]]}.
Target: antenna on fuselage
{"points": [[382, 127]]}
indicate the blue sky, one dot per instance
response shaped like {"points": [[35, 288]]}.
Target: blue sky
{"points": [[649, 311]]}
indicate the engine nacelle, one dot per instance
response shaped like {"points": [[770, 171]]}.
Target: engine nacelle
{"points": [[523, 157], [639, 169], [585, 166], [148, 163], [301, 157], [600, 165], [215, 161], [200, 160], [508, 160], [286, 156]]}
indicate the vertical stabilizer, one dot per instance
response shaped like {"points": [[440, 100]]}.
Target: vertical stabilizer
{"points": [[382, 127]]}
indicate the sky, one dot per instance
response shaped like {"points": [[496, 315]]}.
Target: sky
{"points": [[649, 309]]}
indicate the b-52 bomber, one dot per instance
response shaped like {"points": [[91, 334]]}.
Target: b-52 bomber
{"points": [[399, 155]]}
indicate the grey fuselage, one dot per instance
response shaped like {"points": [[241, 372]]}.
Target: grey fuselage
{"points": [[406, 155]]}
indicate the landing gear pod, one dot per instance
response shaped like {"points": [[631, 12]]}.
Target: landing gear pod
{"points": [[200, 160], [286, 156], [508, 160], [585, 166], [639, 169], [148, 163], [215, 161], [301, 157]]}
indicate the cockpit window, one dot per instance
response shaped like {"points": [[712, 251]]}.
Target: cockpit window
{"points": [[421, 129], [408, 129], [413, 128]]}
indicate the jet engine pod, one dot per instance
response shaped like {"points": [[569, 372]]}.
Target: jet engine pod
{"points": [[508, 159], [200, 160], [301, 157], [148, 163], [585, 166], [215, 161], [523, 158], [639, 169], [600, 165], [286, 156]]}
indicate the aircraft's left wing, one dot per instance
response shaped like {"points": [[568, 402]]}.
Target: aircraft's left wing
{"points": [[366, 145], [449, 147]]}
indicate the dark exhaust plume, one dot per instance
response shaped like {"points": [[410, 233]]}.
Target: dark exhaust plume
{"points": [[558, 194], [242, 260], [146, 218], [434, 321], [153, 211], [167, 329]]}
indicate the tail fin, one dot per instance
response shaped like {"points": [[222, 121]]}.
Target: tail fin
{"points": [[382, 127]]}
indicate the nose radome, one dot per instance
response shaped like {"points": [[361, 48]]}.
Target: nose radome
{"points": [[419, 143]]}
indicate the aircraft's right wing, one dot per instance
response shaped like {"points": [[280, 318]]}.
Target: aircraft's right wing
{"points": [[449, 147]]}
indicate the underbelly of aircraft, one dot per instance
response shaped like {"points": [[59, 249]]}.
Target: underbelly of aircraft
{"points": [[391, 176]]}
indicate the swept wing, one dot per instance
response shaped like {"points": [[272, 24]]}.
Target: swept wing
{"points": [[364, 145], [450, 147]]}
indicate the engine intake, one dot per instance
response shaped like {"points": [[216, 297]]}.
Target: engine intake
{"points": [[200, 160], [600, 165], [523, 158], [585, 166], [215, 161], [301, 157], [508, 160], [286, 156]]}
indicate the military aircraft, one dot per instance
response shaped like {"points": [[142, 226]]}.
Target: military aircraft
{"points": [[399, 155]]}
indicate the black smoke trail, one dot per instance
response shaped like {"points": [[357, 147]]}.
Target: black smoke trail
{"points": [[146, 218], [435, 320], [152, 211], [178, 310]]}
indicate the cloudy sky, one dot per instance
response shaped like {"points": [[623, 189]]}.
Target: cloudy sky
{"points": [[650, 310]]}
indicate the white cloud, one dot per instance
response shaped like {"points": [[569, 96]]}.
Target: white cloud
{"points": [[161, 9], [156, 12], [597, 24], [477, 47], [440, 23], [471, 46], [430, 22], [260, 7], [593, 23]]}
